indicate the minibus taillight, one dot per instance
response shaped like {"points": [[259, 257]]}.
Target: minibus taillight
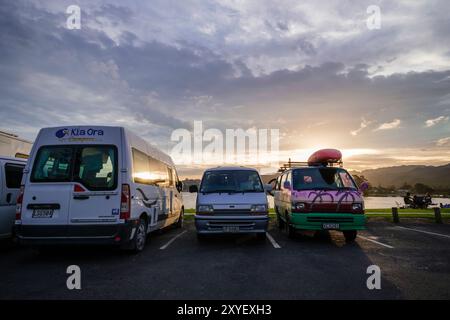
{"points": [[19, 204], [125, 202]]}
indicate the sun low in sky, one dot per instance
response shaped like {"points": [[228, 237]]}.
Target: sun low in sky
{"points": [[314, 71]]}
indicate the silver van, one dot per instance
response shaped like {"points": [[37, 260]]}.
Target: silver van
{"points": [[231, 200]]}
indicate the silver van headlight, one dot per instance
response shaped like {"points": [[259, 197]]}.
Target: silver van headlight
{"points": [[259, 208]]}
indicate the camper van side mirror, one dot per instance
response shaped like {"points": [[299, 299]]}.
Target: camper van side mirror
{"points": [[179, 186], [193, 189], [287, 185], [363, 186]]}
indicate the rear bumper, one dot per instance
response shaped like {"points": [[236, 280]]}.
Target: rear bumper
{"points": [[240, 224], [315, 221], [108, 234]]}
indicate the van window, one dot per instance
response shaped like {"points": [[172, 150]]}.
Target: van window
{"points": [[13, 175], [148, 170], [171, 177], [231, 181], [94, 166], [52, 164], [322, 179]]}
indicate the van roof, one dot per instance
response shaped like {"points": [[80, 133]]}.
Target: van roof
{"points": [[49, 132], [231, 168]]}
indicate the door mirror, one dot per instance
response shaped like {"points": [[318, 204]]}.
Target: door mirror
{"points": [[363, 186], [287, 185], [193, 189], [268, 189], [179, 186]]}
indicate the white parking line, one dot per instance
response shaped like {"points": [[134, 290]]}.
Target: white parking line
{"points": [[172, 240], [427, 232], [272, 241], [377, 242]]}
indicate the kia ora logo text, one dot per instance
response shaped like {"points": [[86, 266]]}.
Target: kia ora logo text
{"points": [[62, 133], [78, 132]]}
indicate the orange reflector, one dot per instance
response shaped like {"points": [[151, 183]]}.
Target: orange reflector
{"points": [[78, 188]]}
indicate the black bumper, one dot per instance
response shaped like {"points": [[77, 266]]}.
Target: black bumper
{"points": [[108, 234]]}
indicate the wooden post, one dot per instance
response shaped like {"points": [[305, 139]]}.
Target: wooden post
{"points": [[437, 215], [395, 215]]}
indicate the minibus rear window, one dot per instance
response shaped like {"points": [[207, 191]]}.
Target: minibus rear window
{"points": [[93, 166]]}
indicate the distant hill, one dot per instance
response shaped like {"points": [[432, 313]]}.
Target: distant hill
{"points": [[436, 177]]}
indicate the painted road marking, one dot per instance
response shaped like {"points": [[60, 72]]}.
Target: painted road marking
{"points": [[172, 240], [427, 232], [377, 242], [272, 241]]}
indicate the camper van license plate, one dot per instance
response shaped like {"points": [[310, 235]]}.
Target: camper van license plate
{"points": [[330, 226], [230, 229], [42, 213]]}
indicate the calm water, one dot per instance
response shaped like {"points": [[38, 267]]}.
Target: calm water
{"points": [[370, 202]]}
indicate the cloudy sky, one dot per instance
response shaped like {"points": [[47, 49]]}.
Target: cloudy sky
{"points": [[315, 71]]}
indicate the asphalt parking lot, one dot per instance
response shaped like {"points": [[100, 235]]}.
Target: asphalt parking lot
{"points": [[414, 258]]}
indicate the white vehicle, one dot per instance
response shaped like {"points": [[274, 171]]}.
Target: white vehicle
{"points": [[10, 177], [231, 200], [96, 184]]}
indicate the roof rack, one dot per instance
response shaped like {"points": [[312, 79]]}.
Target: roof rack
{"points": [[298, 164]]}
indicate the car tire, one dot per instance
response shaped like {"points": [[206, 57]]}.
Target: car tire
{"points": [[140, 237], [290, 230], [280, 222], [180, 222], [350, 235]]}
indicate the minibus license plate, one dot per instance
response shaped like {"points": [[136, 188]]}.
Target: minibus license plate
{"points": [[42, 213], [230, 229], [330, 226]]}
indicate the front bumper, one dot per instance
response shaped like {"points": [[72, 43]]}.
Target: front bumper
{"points": [[315, 221], [107, 234], [231, 224]]}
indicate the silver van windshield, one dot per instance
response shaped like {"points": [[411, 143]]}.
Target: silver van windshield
{"points": [[231, 181], [94, 166]]}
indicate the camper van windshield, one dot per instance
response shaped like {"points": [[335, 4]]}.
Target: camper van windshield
{"points": [[231, 181], [94, 166], [322, 179]]}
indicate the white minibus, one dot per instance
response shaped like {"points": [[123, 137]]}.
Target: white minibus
{"points": [[96, 185]]}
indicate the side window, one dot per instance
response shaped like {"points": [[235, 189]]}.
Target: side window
{"points": [[171, 176], [159, 172], [282, 180], [141, 167], [13, 175], [278, 183]]}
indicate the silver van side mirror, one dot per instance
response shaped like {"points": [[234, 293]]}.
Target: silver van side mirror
{"points": [[268, 189]]}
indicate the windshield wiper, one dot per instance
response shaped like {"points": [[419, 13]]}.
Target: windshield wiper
{"points": [[250, 190], [220, 191]]}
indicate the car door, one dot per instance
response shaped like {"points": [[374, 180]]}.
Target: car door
{"points": [[95, 196], [12, 173], [47, 192]]}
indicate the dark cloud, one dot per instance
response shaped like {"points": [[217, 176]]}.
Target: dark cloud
{"points": [[109, 72]]}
